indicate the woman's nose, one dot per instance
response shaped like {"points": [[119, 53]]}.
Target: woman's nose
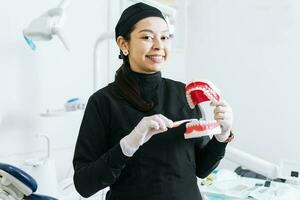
{"points": [[157, 44]]}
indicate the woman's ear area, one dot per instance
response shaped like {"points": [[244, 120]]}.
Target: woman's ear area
{"points": [[122, 43]]}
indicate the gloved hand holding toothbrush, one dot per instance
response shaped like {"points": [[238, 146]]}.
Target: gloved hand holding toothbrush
{"points": [[144, 130]]}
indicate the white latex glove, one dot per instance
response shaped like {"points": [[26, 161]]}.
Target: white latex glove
{"points": [[145, 129], [224, 116]]}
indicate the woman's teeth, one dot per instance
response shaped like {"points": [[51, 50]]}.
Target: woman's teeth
{"points": [[156, 58]]}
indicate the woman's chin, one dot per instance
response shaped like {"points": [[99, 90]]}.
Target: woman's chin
{"points": [[155, 67]]}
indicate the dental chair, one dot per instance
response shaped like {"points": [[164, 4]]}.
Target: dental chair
{"points": [[15, 184]]}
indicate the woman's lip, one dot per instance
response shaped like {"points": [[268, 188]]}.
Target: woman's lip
{"points": [[155, 55], [156, 58]]}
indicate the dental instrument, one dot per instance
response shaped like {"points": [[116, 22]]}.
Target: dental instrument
{"points": [[73, 104], [48, 25]]}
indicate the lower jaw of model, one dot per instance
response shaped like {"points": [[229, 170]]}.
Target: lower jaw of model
{"points": [[198, 92], [201, 128]]}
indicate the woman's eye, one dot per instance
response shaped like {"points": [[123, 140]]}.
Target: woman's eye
{"points": [[147, 37], [166, 37]]}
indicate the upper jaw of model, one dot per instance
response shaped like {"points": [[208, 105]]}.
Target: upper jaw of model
{"points": [[198, 92]]}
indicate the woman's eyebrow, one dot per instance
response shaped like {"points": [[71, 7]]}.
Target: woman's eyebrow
{"points": [[150, 31]]}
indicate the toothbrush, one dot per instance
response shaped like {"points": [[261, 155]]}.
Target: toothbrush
{"points": [[178, 123]]}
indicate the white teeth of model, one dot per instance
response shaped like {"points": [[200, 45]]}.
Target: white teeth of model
{"points": [[210, 97], [199, 88], [206, 92], [190, 102], [213, 92]]}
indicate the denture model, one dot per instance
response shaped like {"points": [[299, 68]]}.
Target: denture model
{"points": [[198, 92]]}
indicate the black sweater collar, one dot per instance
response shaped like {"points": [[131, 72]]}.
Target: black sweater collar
{"points": [[145, 80]]}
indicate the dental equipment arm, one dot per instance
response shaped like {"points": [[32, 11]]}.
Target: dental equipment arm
{"points": [[47, 25], [50, 23]]}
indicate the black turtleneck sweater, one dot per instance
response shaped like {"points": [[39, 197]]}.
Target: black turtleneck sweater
{"points": [[164, 168], [148, 84]]}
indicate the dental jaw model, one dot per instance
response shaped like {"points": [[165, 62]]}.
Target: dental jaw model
{"points": [[197, 93]]}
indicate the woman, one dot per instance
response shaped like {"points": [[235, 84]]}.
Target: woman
{"points": [[126, 140]]}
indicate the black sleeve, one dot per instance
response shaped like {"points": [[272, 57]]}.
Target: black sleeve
{"points": [[95, 165], [208, 152]]}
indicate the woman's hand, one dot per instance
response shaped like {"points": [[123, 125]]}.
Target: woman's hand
{"points": [[144, 130], [224, 116]]}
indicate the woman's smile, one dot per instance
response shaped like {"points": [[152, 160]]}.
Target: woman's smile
{"points": [[156, 58]]}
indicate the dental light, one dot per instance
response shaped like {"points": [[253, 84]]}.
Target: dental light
{"points": [[47, 25]]}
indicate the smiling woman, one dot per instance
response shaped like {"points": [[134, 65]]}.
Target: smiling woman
{"points": [[129, 139]]}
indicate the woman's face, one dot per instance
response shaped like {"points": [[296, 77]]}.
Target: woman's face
{"points": [[149, 45]]}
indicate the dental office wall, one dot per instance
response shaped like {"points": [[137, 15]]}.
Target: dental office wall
{"points": [[250, 50]]}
